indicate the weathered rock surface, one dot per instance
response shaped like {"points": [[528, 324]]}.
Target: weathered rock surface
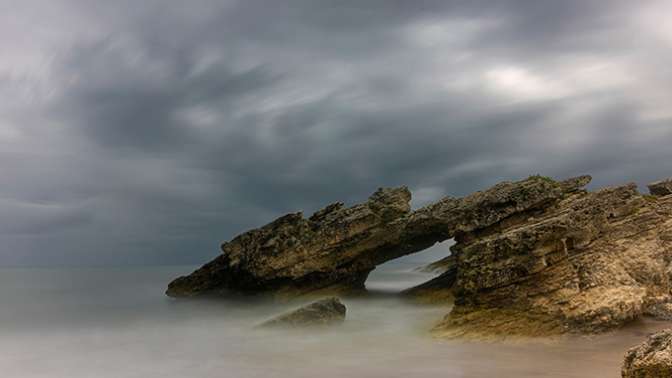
{"points": [[324, 312], [660, 310], [533, 257], [661, 188], [332, 251], [337, 247], [587, 263], [651, 359]]}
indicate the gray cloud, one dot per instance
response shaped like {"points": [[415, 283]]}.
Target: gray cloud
{"points": [[149, 133]]}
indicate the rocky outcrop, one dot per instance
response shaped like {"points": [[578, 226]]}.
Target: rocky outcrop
{"points": [[335, 249], [324, 312], [588, 263], [331, 251], [651, 359], [661, 188], [532, 257]]}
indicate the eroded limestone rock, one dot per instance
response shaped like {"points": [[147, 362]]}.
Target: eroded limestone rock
{"points": [[335, 249], [587, 263], [651, 359], [324, 312], [532, 257]]}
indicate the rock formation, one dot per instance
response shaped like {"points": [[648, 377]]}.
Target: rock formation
{"points": [[589, 262], [332, 251], [661, 188], [324, 312], [532, 257], [651, 359], [336, 248]]}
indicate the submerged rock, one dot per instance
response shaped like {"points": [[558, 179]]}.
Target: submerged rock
{"points": [[324, 312], [651, 359]]}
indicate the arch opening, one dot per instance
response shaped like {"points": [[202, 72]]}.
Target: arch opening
{"points": [[408, 271]]}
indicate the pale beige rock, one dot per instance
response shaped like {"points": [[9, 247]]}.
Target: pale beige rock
{"points": [[533, 257], [332, 251], [588, 263], [651, 359]]}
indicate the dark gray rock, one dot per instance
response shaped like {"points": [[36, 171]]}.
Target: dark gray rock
{"points": [[324, 312], [661, 188]]}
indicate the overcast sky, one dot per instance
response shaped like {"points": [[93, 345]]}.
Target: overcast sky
{"points": [[148, 132]]}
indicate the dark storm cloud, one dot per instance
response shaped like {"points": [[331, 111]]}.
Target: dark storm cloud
{"points": [[158, 130], [137, 103]]}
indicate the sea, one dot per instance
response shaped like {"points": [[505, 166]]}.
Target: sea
{"points": [[116, 322]]}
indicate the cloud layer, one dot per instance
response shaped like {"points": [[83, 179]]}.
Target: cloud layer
{"points": [[149, 133]]}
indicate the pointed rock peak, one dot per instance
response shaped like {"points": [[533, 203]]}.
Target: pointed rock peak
{"points": [[391, 203]]}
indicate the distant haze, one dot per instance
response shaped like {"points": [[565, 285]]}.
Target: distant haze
{"points": [[149, 132]]}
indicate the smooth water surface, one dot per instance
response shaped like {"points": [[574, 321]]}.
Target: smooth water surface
{"points": [[117, 323]]}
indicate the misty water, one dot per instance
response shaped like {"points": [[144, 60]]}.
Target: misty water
{"points": [[117, 323]]}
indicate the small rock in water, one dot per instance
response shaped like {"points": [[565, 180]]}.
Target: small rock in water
{"points": [[323, 312], [651, 359]]}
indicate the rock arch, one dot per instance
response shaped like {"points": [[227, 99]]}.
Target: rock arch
{"points": [[531, 257], [335, 249]]}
